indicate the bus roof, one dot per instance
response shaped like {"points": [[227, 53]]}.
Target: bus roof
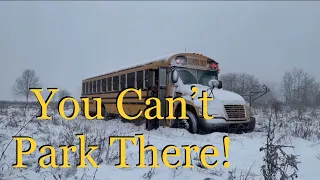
{"points": [[158, 59]]}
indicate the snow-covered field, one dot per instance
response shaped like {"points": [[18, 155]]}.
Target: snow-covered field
{"points": [[244, 155]]}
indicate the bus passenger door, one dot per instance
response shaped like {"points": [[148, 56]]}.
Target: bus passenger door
{"points": [[162, 89]]}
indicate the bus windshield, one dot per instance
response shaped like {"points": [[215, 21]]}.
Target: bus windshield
{"points": [[194, 76]]}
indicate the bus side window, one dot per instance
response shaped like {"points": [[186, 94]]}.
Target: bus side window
{"points": [[90, 87], [109, 83], [104, 85], [98, 86], [146, 78], [123, 81], [87, 87], [149, 78], [116, 83], [94, 86], [140, 80], [130, 80], [83, 88]]}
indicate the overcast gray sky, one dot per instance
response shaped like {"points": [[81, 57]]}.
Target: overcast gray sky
{"points": [[65, 42]]}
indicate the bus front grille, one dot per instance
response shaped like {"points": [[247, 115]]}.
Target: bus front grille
{"points": [[235, 112]]}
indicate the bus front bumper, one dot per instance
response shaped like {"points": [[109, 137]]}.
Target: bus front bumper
{"points": [[222, 123]]}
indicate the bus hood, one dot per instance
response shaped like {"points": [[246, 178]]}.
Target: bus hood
{"points": [[220, 96]]}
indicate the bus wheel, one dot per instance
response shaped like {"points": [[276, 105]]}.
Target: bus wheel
{"points": [[251, 125], [190, 124], [105, 114]]}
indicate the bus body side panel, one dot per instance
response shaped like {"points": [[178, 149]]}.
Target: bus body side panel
{"points": [[131, 102]]}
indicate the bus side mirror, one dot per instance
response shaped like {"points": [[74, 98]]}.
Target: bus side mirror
{"points": [[174, 76], [220, 85], [213, 83]]}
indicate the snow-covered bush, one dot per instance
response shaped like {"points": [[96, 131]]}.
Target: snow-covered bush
{"points": [[277, 163]]}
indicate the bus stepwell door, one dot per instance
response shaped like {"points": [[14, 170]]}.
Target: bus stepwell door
{"points": [[162, 86]]}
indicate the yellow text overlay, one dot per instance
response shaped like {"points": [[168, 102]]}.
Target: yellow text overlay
{"points": [[49, 153], [119, 101]]}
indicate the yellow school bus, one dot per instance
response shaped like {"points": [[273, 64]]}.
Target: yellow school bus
{"points": [[172, 76]]}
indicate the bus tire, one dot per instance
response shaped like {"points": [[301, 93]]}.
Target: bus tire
{"points": [[107, 116], [192, 126], [251, 125]]}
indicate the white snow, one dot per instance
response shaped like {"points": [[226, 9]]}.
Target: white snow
{"points": [[243, 153]]}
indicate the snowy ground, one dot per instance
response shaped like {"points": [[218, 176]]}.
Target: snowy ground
{"points": [[244, 155]]}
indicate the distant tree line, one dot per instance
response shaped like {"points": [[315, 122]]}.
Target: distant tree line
{"points": [[299, 89]]}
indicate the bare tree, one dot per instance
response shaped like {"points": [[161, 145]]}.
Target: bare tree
{"points": [[300, 90], [317, 98], [27, 80], [241, 83], [63, 93]]}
